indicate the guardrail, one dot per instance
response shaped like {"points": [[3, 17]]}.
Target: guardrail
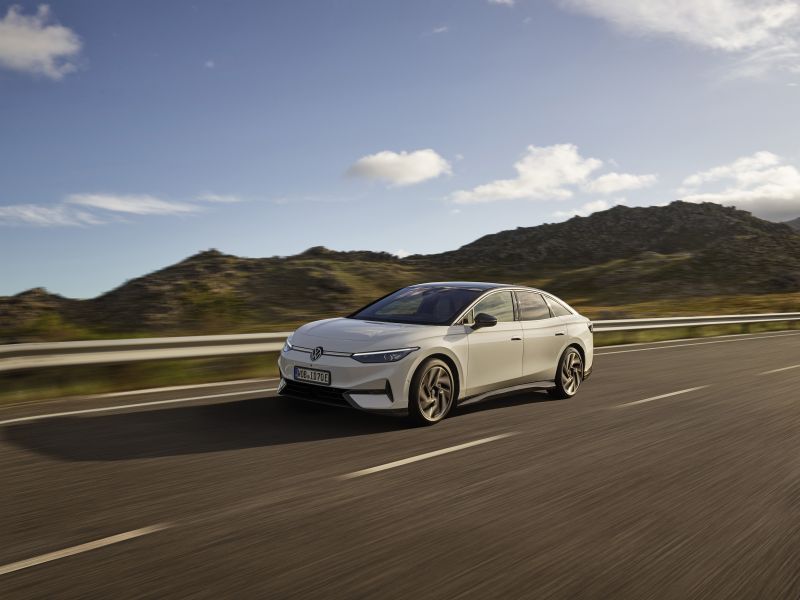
{"points": [[665, 322], [94, 352], [15, 357]]}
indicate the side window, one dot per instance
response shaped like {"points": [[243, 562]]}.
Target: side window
{"points": [[499, 305], [559, 310], [532, 306]]}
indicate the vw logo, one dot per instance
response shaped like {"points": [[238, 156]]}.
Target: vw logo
{"points": [[316, 353]]}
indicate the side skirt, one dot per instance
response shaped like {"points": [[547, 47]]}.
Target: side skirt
{"points": [[536, 385]]}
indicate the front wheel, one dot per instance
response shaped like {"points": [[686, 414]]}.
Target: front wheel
{"points": [[431, 394], [569, 374]]}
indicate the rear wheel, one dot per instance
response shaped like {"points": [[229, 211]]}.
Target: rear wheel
{"points": [[569, 374], [431, 392]]}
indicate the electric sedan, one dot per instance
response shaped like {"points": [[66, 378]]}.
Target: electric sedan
{"points": [[425, 349]]}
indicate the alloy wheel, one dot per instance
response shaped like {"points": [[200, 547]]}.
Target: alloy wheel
{"points": [[571, 372], [435, 393]]}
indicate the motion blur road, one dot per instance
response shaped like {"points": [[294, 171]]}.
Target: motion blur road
{"points": [[629, 490]]}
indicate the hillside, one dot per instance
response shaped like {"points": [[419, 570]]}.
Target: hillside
{"points": [[625, 254], [794, 223], [618, 257]]}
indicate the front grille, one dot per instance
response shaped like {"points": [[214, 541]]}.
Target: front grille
{"points": [[315, 393]]}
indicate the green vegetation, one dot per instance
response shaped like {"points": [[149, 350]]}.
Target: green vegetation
{"points": [[697, 306]]}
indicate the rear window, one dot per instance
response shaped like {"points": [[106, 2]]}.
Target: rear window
{"points": [[559, 310]]}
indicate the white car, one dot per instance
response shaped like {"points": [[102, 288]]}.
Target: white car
{"points": [[426, 348]]}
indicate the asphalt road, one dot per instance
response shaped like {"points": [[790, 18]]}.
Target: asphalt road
{"points": [[629, 490]]}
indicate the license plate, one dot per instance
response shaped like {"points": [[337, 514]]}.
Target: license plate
{"points": [[312, 376]]}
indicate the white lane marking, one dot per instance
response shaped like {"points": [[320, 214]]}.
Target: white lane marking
{"points": [[694, 389], [85, 411], [697, 344], [51, 556], [779, 370], [419, 457], [177, 388]]}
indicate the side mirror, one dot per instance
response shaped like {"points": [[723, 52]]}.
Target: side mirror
{"points": [[484, 320]]}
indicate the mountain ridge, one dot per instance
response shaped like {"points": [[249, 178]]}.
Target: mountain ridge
{"points": [[618, 256]]}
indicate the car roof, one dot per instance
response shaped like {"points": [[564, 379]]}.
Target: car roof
{"points": [[473, 285]]}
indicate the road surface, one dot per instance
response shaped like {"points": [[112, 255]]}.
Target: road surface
{"points": [[675, 473]]}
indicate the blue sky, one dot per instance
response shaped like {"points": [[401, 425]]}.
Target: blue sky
{"points": [[133, 134]]}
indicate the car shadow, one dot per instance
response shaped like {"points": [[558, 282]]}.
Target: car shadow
{"points": [[206, 428], [506, 401]]}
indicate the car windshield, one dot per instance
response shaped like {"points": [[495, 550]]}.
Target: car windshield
{"points": [[420, 305]]}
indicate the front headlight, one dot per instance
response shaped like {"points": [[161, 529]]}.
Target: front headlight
{"points": [[287, 345], [383, 356]]}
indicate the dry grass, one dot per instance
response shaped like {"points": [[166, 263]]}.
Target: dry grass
{"points": [[699, 306]]}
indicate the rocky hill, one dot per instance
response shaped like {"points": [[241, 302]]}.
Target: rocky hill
{"points": [[625, 254], [794, 223], [619, 256]]}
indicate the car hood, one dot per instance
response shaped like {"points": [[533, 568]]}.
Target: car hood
{"points": [[354, 335]]}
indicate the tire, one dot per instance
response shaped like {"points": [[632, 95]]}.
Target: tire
{"points": [[569, 374], [431, 395]]}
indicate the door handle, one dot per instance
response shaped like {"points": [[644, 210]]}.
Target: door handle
{"points": [[516, 339], [560, 333]]}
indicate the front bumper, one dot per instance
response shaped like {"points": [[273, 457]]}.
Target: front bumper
{"points": [[371, 387], [376, 401]]}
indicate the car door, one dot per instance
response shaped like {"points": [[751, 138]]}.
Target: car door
{"points": [[495, 353], [543, 336]]}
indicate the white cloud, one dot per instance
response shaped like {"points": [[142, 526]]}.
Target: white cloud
{"points": [[765, 32], [761, 183], [403, 168], [589, 208], [220, 198], [502, 2], [400, 253], [552, 172], [756, 162], [722, 24], [131, 204], [45, 216], [611, 183], [442, 29], [209, 64], [31, 45], [83, 209], [585, 210], [543, 172]]}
